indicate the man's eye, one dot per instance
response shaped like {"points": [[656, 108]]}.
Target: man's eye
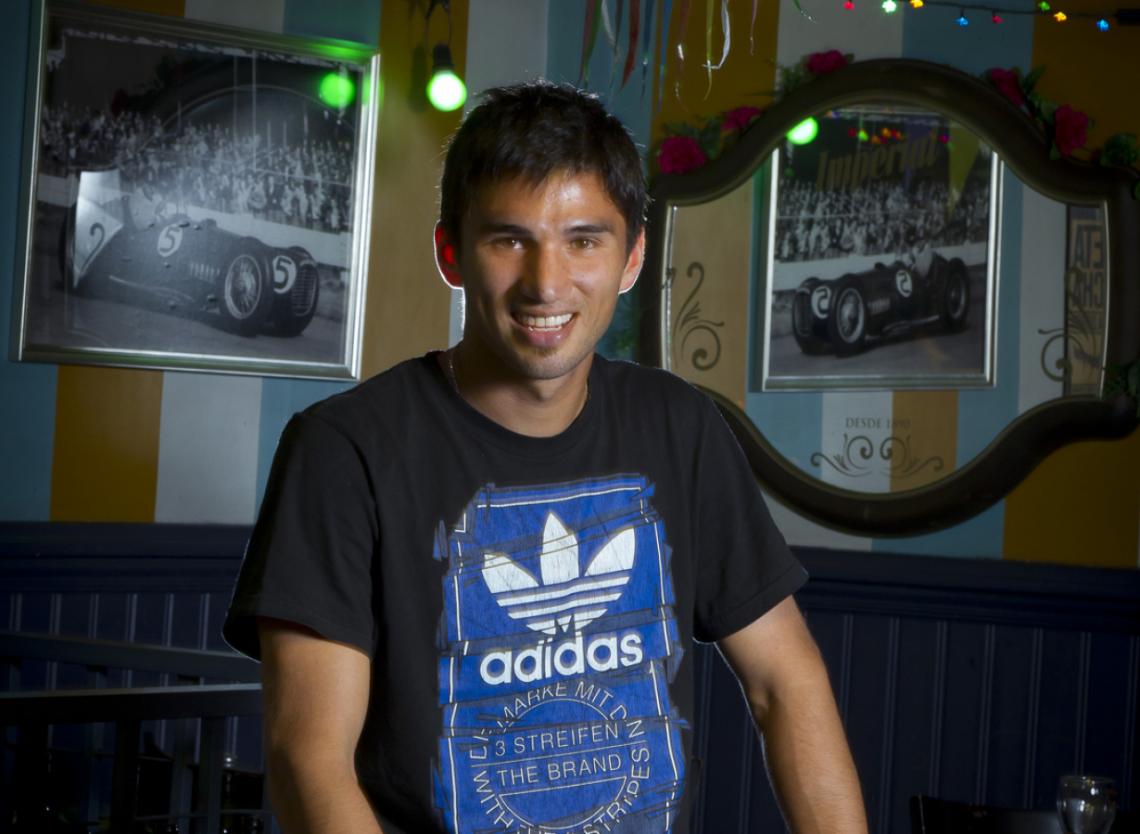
{"points": [[508, 242], [583, 243]]}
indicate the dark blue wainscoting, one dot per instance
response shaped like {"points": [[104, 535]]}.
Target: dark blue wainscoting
{"points": [[974, 680]]}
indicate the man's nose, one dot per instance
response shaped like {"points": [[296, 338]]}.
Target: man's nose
{"points": [[544, 274]]}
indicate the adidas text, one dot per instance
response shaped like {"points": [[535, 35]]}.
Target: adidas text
{"points": [[602, 653]]}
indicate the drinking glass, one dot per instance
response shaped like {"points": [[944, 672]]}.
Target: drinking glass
{"points": [[1086, 804]]}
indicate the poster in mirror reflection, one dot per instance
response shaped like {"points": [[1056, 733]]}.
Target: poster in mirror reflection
{"points": [[880, 264]]}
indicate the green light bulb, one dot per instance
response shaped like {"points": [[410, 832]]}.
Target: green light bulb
{"points": [[446, 91], [337, 90], [804, 132], [889, 6]]}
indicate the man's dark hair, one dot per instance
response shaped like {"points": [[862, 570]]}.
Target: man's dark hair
{"points": [[530, 131]]}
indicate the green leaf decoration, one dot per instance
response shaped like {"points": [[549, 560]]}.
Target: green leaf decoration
{"points": [[709, 138], [1120, 149], [1030, 80]]}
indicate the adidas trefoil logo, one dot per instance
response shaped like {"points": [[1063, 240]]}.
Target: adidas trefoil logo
{"points": [[565, 600]]}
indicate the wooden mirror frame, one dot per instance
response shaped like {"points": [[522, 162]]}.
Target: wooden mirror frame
{"points": [[1017, 139]]}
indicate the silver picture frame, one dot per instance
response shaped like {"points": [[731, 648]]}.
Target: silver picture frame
{"points": [[194, 197], [892, 234]]}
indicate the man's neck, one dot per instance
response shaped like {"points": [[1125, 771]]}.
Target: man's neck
{"points": [[535, 408]]}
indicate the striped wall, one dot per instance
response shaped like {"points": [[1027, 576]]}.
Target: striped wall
{"points": [[101, 444], [105, 444]]}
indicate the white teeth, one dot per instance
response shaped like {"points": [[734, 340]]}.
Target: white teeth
{"points": [[545, 322]]}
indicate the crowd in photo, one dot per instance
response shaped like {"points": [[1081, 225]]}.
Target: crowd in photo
{"points": [[877, 218], [301, 182]]}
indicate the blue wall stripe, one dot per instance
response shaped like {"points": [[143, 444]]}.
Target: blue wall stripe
{"points": [[27, 390], [631, 104], [791, 420], [564, 56], [280, 400], [931, 34], [351, 20]]}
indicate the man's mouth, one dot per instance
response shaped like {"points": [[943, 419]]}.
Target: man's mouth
{"points": [[544, 323]]}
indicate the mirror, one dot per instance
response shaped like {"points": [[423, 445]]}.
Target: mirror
{"points": [[905, 305]]}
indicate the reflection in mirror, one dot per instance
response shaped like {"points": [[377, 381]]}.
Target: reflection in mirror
{"points": [[884, 301], [880, 256], [897, 324]]}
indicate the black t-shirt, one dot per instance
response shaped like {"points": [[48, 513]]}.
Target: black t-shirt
{"points": [[528, 603]]}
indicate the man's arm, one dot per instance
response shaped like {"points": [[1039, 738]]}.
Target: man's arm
{"points": [[788, 691], [316, 695]]}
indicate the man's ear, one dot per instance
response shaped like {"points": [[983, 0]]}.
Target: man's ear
{"points": [[447, 258], [633, 263]]}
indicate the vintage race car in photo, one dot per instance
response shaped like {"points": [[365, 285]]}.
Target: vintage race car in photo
{"points": [[177, 264], [847, 313]]}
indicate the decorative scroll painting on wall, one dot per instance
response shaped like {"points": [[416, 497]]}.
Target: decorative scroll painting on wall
{"points": [[198, 197], [882, 255], [708, 334]]}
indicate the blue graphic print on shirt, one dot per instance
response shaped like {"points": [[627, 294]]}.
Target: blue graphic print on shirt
{"points": [[558, 643]]}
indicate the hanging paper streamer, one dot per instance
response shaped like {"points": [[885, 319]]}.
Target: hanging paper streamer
{"points": [[646, 40], [612, 27], [663, 50], [752, 28], [634, 31], [686, 6], [605, 16], [589, 38], [726, 28], [708, 43]]}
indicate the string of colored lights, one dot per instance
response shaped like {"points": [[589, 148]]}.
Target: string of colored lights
{"points": [[1101, 19]]}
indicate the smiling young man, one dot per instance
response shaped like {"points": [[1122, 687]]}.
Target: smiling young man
{"points": [[476, 578]]}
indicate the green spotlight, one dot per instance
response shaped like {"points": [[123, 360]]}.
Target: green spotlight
{"points": [[446, 90], [337, 90], [804, 132]]}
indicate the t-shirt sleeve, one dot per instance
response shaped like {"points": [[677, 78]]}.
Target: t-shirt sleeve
{"points": [[309, 558], [744, 566]]}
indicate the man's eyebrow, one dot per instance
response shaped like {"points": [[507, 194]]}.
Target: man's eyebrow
{"points": [[492, 227], [591, 229]]}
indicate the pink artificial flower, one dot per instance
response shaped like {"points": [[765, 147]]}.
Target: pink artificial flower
{"points": [[1070, 129], [822, 63], [738, 118], [679, 154], [1007, 83]]}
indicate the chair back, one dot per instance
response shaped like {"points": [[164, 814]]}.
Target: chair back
{"points": [[929, 815]]}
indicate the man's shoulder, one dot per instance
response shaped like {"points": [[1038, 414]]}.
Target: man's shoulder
{"points": [[378, 400], [642, 386]]}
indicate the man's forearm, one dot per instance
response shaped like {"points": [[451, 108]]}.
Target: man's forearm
{"points": [[312, 797], [809, 761]]}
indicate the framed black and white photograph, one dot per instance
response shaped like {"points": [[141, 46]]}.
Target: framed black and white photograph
{"points": [[881, 233], [196, 197]]}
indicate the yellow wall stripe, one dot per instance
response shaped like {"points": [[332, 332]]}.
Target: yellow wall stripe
{"points": [[925, 424], [406, 305], [1081, 504], [105, 462]]}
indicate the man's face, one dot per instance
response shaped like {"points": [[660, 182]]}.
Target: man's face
{"points": [[541, 268]]}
